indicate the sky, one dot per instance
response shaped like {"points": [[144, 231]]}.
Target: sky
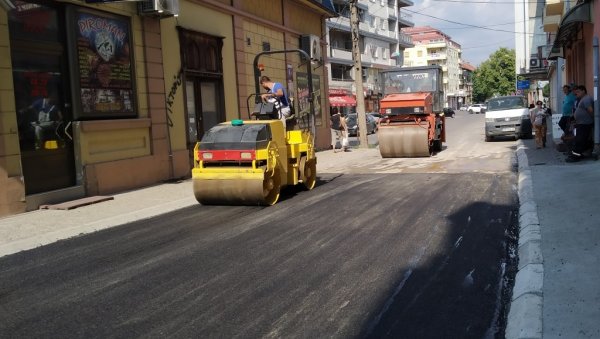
{"points": [[480, 26]]}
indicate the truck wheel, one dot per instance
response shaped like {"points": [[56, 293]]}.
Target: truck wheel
{"points": [[437, 145], [470, 111]]}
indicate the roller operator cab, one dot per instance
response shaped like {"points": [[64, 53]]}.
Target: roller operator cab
{"points": [[248, 162], [412, 122]]}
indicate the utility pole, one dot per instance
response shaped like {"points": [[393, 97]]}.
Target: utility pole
{"points": [[361, 117]]}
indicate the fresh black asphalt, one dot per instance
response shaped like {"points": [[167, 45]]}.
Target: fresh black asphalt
{"points": [[377, 255]]}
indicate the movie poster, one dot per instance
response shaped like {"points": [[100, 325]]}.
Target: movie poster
{"points": [[105, 66]]}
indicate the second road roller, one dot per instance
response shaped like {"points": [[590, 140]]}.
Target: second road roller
{"points": [[248, 162], [412, 123]]}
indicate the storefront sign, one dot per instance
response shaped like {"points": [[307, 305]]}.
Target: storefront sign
{"points": [[104, 65]]}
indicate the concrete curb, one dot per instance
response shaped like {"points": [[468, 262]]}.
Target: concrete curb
{"points": [[525, 315]]}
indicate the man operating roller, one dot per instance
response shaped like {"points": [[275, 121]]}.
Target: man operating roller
{"points": [[276, 94]]}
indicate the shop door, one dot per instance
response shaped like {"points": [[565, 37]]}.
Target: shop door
{"points": [[39, 62], [204, 99], [203, 73]]}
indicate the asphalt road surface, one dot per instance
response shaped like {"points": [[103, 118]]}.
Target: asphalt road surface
{"points": [[422, 252]]}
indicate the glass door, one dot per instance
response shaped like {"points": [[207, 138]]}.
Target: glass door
{"points": [[40, 83]]}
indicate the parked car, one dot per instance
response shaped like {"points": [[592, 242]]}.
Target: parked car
{"points": [[507, 116], [475, 108], [353, 126], [462, 108], [375, 115], [449, 112]]}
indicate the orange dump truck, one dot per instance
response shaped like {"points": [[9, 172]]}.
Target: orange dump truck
{"points": [[412, 122]]}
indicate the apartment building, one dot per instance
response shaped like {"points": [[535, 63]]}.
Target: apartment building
{"points": [[531, 44], [433, 47], [381, 46], [465, 84]]}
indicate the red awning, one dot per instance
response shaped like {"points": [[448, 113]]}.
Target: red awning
{"points": [[342, 100]]}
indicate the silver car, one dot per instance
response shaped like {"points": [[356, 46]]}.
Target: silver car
{"points": [[507, 116]]}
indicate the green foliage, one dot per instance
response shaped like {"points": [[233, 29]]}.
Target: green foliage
{"points": [[546, 90], [495, 76]]}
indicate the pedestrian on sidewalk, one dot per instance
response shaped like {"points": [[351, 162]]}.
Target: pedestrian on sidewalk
{"points": [[339, 130], [567, 111], [584, 124], [538, 117]]}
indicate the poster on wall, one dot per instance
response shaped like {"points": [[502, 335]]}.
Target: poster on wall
{"points": [[303, 106], [104, 64]]}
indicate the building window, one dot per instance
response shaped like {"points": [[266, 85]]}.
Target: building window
{"points": [[406, 55], [419, 54]]}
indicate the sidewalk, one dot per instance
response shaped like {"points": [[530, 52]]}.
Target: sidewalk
{"points": [[556, 293]]}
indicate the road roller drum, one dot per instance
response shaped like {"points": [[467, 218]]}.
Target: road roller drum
{"points": [[403, 140]]}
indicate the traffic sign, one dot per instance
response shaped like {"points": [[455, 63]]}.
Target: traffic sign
{"points": [[522, 84]]}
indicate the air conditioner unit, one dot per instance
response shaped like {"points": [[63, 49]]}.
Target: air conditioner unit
{"points": [[160, 8], [534, 63], [311, 44]]}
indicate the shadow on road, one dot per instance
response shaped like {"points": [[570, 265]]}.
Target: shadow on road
{"points": [[457, 293]]}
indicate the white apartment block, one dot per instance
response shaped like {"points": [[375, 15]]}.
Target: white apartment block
{"points": [[433, 47], [381, 45], [532, 47]]}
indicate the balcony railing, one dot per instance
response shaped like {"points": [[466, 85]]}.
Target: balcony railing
{"points": [[405, 38], [406, 16], [342, 79], [339, 53], [436, 56]]}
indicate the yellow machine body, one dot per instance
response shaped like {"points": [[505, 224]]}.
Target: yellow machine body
{"points": [[253, 170]]}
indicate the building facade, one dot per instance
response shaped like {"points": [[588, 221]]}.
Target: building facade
{"points": [[465, 85], [99, 97], [530, 48], [571, 28], [433, 47], [381, 47]]}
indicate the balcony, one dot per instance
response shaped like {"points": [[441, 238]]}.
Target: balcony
{"points": [[338, 53], [405, 3], [405, 20], [436, 56], [554, 7], [405, 40], [551, 22], [441, 44]]}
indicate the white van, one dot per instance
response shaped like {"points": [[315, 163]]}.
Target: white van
{"points": [[507, 116]]}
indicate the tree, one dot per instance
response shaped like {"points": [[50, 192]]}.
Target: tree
{"points": [[495, 76], [546, 90]]}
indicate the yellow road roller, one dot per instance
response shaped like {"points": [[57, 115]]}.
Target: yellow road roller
{"points": [[412, 123], [248, 162]]}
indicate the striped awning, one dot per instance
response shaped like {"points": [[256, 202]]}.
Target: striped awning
{"points": [[342, 100]]}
